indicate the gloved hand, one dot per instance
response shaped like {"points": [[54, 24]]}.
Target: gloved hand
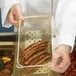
{"points": [[61, 59], [15, 14]]}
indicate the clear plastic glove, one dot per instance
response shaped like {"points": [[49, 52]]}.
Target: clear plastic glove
{"points": [[61, 59], [15, 14]]}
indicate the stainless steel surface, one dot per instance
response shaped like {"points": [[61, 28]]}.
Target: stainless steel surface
{"points": [[7, 33]]}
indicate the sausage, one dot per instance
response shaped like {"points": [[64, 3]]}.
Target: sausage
{"points": [[35, 56], [44, 59], [37, 60], [33, 46], [35, 50]]}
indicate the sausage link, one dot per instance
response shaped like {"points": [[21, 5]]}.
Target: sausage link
{"points": [[33, 46], [35, 50], [44, 59], [35, 61], [35, 56]]}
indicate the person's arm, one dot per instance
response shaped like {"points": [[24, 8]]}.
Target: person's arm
{"points": [[67, 30], [5, 7], [66, 23]]}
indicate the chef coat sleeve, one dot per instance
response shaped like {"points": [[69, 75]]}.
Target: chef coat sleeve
{"points": [[5, 7], [67, 31]]}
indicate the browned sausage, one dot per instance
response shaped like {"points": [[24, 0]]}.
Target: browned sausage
{"points": [[29, 48], [35, 61], [39, 61], [44, 59], [35, 56], [35, 50]]}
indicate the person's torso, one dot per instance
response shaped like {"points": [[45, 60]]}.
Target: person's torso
{"points": [[37, 7]]}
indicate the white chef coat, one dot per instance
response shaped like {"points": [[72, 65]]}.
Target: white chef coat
{"points": [[65, 21], [65, 16], [5, 7]]}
